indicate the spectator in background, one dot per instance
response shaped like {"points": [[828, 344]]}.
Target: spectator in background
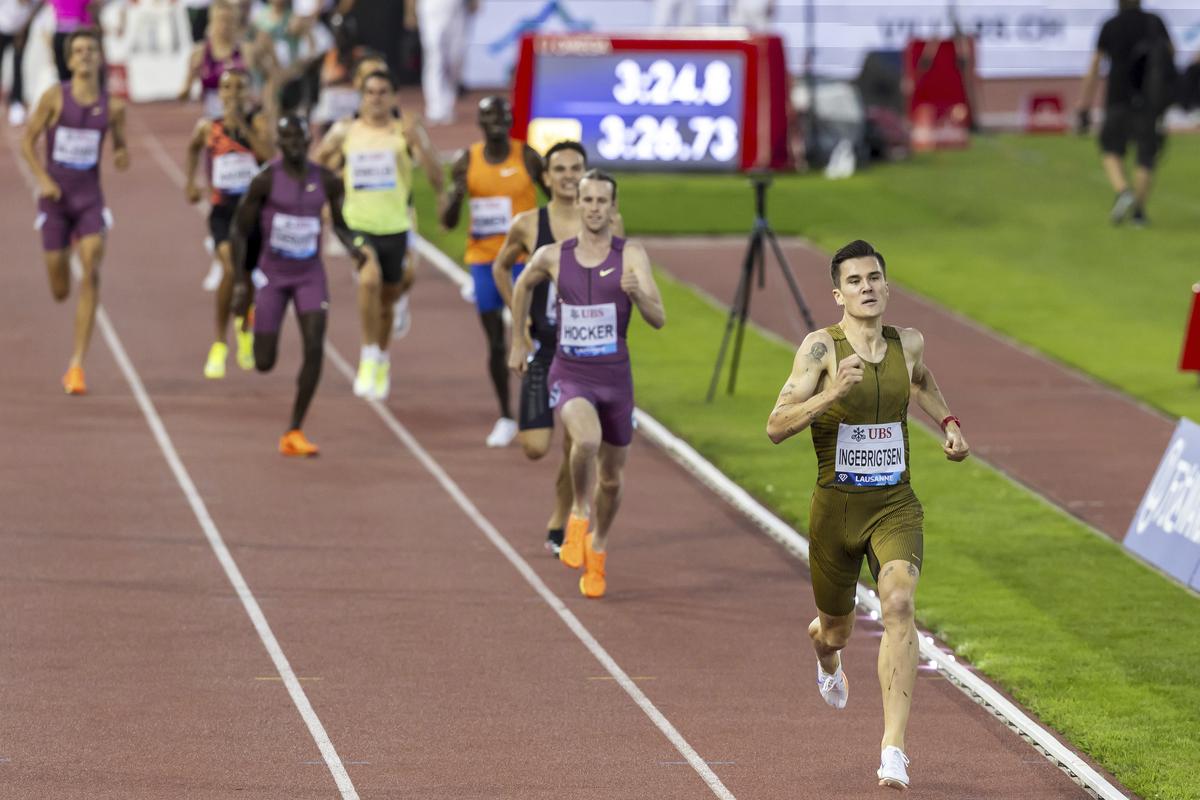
{"points": [[674, 13], [753, 14], [70, 16], [14, 31], [197, 11], [443, 27], [1141, 63]]}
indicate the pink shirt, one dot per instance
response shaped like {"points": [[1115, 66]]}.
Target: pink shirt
{"points": [[72, 15]]}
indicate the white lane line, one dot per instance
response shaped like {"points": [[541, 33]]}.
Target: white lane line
{"points": [[522, 566], [792, 540], [497, 539], [216, 541]]}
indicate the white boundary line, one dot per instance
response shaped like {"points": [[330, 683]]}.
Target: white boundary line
{"points": [[497, 539], [794, 542], [216, 541], [531, 577]]}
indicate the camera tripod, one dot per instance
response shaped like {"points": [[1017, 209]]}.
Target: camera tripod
{"points": [[755, 260]]}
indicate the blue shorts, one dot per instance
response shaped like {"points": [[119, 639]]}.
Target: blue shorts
{"points": [[487, 296]]}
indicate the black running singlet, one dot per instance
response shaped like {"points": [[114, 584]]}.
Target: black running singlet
{"points": [[543, 312]]}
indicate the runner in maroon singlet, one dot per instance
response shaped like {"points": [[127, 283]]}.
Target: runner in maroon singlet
{"points": [[599, 279], [286, 199], [75, 117]]}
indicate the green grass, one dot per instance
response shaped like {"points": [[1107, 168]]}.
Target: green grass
{"points": [[1011, 233]]}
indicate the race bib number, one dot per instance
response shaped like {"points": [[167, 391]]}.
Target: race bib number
{"points": [[870, 455], [296, 238], [490, 216], [77, 148], [232, 172], [337, 102], [373, 170], [588, 331]]}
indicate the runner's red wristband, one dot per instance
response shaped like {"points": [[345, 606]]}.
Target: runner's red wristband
{"points": [[948, 420]]}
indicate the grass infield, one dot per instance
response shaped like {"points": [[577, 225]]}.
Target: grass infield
{"points": [[1103, 649]]}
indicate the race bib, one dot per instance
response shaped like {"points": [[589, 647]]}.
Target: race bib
{"points": [[588, 331], [77, 148], [490, 216], [870, 455], [373, 170], [337, 102], [232, 172], [296, 238]]}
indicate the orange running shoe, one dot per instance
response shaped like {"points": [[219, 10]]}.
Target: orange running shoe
{"points": [[571, 553], [592, 584], [73, 382], [293, 443]]}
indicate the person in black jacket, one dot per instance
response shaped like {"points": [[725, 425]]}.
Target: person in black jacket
{"points": [[1141, 64]]}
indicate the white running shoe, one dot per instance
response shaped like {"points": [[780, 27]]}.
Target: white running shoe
{"points": [[835, 688], [503, 432], [16, 114], [893, 768], [468, 291], [212, 281], [383, 381], [401, 318], [364, 382]]}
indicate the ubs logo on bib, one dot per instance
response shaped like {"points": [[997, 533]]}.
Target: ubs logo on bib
{"points": [[858, 435]]}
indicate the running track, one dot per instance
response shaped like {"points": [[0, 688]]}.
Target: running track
{"points": [[131, 666]]}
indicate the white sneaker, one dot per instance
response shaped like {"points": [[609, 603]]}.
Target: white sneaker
{"points": [[16, 115], [383, 381], [468, 291], [835, 688], [212, 281], [401, 318], [893, 768], [503, 432], [364, 382]]}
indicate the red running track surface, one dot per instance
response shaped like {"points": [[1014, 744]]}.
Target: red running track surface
{"points": [[131, 667]]}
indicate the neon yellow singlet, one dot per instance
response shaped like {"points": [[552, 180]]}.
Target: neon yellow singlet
{"points": [[378, 178]]}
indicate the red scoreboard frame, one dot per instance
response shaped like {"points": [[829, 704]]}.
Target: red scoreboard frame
{"points": [[766, 110]]}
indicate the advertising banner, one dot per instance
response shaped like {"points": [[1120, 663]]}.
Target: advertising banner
{"points": [[1015, 38], [1166, 528]]}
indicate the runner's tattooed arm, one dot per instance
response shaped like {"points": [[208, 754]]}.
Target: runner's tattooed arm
{"points": [[543, 266], [516, 244], [246, 218], [335, 190], [808, 392], [195, 147], [929, 397], [458, 190], [46, 114], [116, 124], [637, 281]]}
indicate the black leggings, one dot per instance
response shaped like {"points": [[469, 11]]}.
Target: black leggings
{"points": [[17, 94]]}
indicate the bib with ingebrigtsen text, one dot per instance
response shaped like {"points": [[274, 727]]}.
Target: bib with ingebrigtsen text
{"points": [[588, 331], [870, 455]]}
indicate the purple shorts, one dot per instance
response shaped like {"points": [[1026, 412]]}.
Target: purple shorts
{"points": [[304, 284], [71, 216], [608, 387]]}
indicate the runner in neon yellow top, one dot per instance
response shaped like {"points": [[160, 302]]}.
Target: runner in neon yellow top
{"points": [[851, 384], [375, 152]]}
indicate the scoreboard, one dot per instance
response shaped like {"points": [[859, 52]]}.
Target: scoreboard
{"points": [[653, 104]]}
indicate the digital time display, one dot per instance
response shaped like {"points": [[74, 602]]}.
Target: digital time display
{"points": [[636, 111]]}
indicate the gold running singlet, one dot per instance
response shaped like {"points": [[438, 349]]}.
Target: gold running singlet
{"points": [[863, 504]]}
